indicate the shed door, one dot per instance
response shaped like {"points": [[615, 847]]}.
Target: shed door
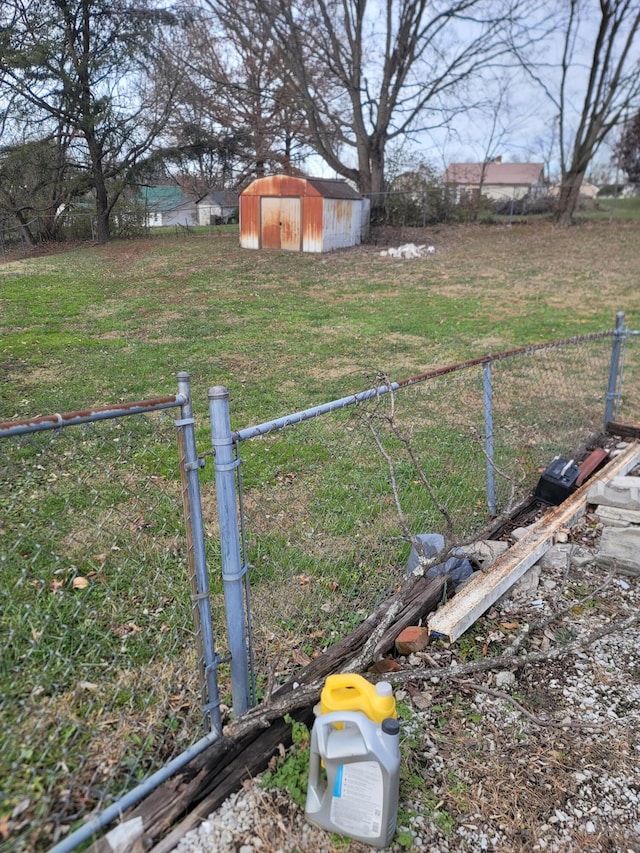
{"points": [[280, 219]]}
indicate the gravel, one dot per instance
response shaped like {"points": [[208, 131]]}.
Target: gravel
{"points": [[540, 757]]}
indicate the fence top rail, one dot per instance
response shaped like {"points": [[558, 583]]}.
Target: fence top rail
{"points": [[352, 399], [98, 413]]}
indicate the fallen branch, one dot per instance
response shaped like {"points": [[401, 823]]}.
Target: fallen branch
{"points": [[538, 721], [510, 661]]}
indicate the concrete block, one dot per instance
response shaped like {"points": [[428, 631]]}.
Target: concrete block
{"points": [[620, 550], [606, 494], [614, 516], [557, 557]]}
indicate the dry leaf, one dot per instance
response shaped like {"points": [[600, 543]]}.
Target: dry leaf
{"points": [[422, 701], [304, 579], [333, 586], [300, 657], [80, 583], [4, 827], [56, 586], [509, 626]]}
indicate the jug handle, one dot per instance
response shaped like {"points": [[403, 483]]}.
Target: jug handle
{"points": [[346, 679]]}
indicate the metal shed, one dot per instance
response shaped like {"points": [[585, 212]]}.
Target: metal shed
{"points": [[301, 214]]}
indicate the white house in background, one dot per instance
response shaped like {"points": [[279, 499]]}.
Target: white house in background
{"points": [[168, 205], [587, 190], [496, 180], [218, 206]]}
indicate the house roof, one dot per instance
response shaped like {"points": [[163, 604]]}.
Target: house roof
{"points": [[224, 198], [163, 198], [510, 174]]}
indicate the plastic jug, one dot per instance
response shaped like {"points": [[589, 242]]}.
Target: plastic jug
{"points": [[351, 692], [354, 776]]}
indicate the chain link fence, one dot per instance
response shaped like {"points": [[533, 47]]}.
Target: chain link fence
{"points": [[101, 680], [330, 505], [104, 678]]}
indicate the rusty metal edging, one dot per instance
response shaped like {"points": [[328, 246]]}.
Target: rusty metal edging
{"points": [[99, 413], [453, 619]]}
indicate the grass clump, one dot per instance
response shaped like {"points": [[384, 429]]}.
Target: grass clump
{"points": [[290, 771]]}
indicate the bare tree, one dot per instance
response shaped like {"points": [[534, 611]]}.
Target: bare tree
{"points": [[238, 103], [368, 73], [600, 48], [83, 63], [38, 182], [628, 149]]}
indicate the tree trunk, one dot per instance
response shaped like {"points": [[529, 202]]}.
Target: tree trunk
{"points": [[25, 231], [569, 196], [102, 212]]}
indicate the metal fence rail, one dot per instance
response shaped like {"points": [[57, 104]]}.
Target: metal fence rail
{"points": [[105, 672]]}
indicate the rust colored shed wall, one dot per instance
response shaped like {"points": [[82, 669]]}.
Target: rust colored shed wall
{"points": [[312, 224], [290, 213], [249, 222]]}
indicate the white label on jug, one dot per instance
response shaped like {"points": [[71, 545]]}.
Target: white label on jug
{"points": [[356, 804]]}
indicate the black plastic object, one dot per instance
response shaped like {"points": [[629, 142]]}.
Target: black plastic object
{"points": [[557, 481]]}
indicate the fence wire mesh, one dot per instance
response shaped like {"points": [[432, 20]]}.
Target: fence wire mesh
{"points": [[99, 679], [330, 504], [626, 407]]}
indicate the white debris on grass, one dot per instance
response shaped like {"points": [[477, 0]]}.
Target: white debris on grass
{"points": [[408, 250]]}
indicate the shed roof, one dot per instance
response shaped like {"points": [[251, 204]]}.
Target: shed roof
{"points": [[510, 174], [302, 186]]}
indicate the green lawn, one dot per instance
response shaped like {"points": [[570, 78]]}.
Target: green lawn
{"points": [[95, 325]]}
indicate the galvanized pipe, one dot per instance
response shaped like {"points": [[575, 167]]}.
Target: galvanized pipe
{"points": [[85, 416], [487, 395], [139, 793], [211, 705], [614, 369], [233, 571]]}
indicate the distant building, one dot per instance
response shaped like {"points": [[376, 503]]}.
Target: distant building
{"points": [[587, 190], [496, 180], [218, 207], [170, 205]]}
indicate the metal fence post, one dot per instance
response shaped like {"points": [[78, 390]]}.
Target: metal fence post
{"points": [[614, 369], [233, 571], [487, 394], [197, 558]]}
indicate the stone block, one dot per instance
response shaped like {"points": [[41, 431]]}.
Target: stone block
{"points": [[626, 494], [620, 550]]}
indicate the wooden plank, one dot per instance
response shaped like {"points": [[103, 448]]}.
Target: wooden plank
{"points": [[624, 430], [453, 619]]}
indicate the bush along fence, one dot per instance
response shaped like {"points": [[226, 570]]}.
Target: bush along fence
{"points": [[111, 592]]}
